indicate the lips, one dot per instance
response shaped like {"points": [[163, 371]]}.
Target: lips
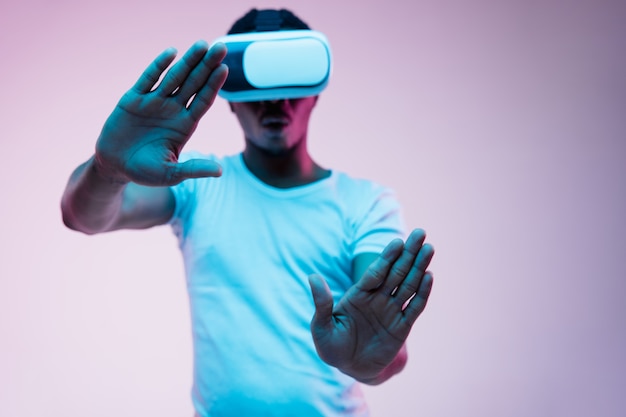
{"points": [[278, 119]]}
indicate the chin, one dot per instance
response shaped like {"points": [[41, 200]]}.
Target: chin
{"points": [[277, 151], [274, 145]]}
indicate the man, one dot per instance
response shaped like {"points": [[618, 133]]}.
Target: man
{"points": [[275, 226]]}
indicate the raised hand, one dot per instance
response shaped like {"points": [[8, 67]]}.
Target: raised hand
{"points": [[143, 137], [364, 332]]}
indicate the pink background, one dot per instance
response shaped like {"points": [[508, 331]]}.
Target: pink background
{"points": [[501, 124]]}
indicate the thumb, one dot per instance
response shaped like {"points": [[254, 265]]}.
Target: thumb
{"points": [[323, 299], [194, 168]]}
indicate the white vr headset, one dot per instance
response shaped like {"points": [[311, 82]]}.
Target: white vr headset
{"points": [[275, 65]]}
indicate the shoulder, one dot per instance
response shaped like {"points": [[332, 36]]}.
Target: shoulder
{"points": [[361, 189], [374, 213], [365, 200]]}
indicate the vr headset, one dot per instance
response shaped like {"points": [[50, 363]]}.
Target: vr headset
{"points": [[273, 65]]}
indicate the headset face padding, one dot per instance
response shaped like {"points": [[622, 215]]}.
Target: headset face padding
{"points": [[275, 65]]}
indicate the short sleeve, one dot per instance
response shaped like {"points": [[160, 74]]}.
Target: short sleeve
{"points": [[380, 221]]}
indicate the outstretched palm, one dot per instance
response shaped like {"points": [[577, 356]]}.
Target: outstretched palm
{"points": [[142, 138], [364, 332]]}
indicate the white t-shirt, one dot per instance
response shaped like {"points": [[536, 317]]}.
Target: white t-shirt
{"points": [[248, 250]]}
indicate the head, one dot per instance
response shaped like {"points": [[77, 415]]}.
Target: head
{"points": [[267, 20], [275, 126]]}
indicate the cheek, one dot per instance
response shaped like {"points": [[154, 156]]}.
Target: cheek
{"points": [[246, 120], [303, 117]]}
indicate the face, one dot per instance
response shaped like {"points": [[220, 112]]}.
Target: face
{"points": [[275, 126]]}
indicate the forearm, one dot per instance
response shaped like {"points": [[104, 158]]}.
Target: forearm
{"points": [[91, 203]]}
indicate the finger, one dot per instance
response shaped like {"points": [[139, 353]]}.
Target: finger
{"points": [[377, 272], [206, 96], [403, 264], [416, 306], [193, 168], [151, 75], [177, 75], [199, 76], [412, 282], [323, 300]]}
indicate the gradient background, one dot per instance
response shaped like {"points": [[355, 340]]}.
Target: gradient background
{"points": [[501, 124]]}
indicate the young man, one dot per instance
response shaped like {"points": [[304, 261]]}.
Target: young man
{"points": [[275, 228]]}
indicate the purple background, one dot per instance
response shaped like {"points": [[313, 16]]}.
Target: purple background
{"points": [[501, 124]]}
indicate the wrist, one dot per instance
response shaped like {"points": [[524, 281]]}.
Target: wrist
{"points": [[365, 373], [371, 377], [367, 379], [105, 174], [373, 373]]}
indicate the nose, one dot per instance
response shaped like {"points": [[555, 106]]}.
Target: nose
{"points": [[275, 101]]}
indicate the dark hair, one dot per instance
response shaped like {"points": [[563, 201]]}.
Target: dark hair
{"points": [[267, 20]]}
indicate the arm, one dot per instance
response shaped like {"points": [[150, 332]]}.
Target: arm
{"points": [[364, 334], [126, 183], [93, 204]]}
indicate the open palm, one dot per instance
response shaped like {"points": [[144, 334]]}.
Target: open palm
{"points": [[362, 334], [144, 135]]}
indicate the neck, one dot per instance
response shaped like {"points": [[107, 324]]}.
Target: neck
{"points": [[291, 168]]}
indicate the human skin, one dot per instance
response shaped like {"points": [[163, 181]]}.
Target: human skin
{"points": [[126, 185], [275, 133]]}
